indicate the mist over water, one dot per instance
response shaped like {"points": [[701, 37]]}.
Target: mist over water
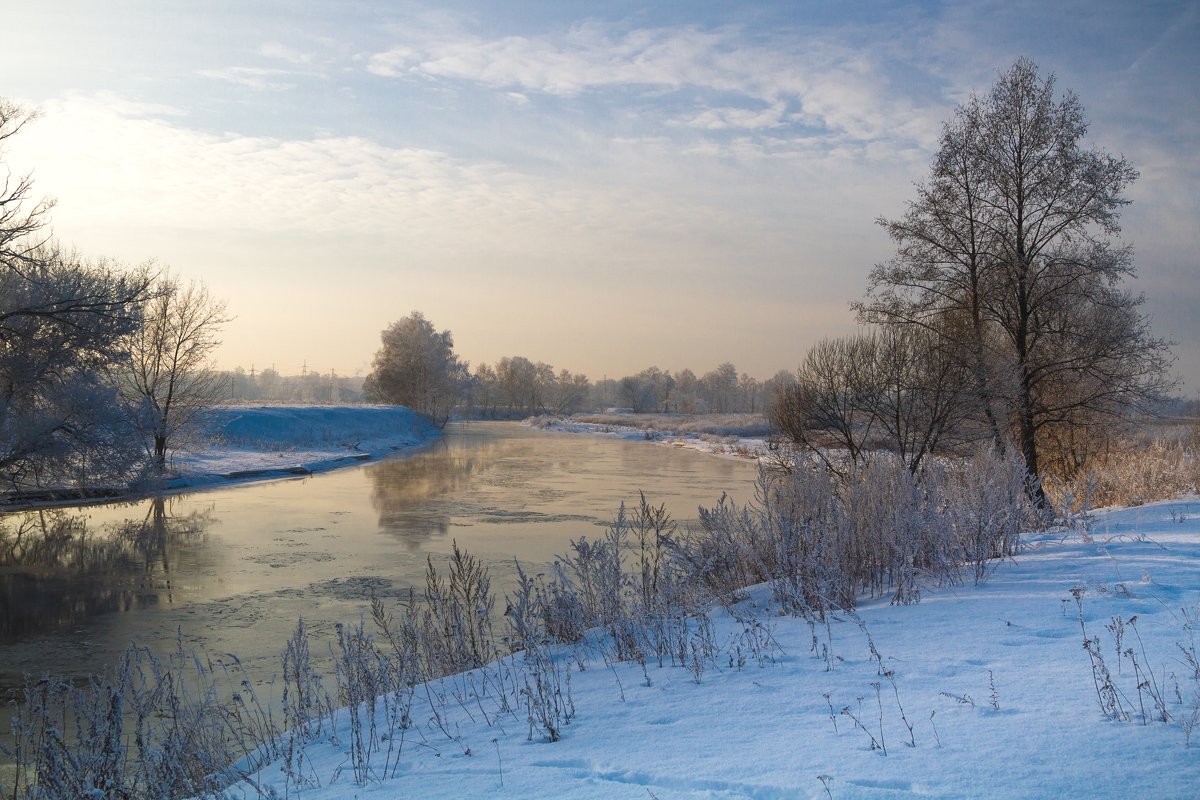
{"points": [[231, 571]]}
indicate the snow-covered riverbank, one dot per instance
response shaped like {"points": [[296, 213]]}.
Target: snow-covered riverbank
{"points": [[977, 691], [235, 444], [730, 435], [240, 443]]}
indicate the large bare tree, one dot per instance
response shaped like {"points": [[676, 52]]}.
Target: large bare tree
{"points": [[1010, 251], [171, 376]]}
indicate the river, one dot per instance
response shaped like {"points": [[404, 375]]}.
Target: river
{"points": [[231, 570]]}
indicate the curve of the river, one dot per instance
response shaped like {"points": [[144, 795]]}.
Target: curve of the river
{"points": [[233, 569]]}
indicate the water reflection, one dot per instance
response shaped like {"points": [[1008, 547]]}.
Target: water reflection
{"points": [[56, 571], [478, 478], [405, 493], [76, 586]]}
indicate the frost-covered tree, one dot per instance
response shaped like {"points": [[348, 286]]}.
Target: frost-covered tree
{"points": [[636, 394], [21, 218], [750, 393], [570, 392], [483, 391], [648, 391], [63, 327], [416, 367], [721, 388], [525, 387], [689, 393], [516, 386], [1009, 252], [170, 378]]}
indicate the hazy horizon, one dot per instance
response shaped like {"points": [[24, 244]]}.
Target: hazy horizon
{"points": [[602, 188]]}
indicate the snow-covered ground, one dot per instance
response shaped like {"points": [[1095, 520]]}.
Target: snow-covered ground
{"points": [[252, 442], [977, 691], [728, 445]]}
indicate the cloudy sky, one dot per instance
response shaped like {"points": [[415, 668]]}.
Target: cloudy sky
{"points": [[601, 186]]}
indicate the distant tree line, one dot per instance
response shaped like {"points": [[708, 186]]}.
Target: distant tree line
{"points": [[722, 390], [416, 366], [102, 367], [517, 387], [268, 385]]}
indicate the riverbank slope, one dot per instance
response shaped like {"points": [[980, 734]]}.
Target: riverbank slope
{"points": [[235, 444], [238, 443], [977, 691]]}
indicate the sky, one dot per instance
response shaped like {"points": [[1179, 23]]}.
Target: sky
{"points": [[600, 186]]}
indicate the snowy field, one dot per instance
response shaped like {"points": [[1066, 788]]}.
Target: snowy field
{"points": [[977, 691], [254, 442]]}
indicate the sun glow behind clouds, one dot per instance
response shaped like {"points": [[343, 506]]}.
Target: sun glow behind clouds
{"points": [[410, 219], [599, 193]]}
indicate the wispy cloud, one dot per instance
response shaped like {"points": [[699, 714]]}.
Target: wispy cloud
{"points": [[281, 52], [834, 87], [773, 116], [258, 78], [169, 175]]}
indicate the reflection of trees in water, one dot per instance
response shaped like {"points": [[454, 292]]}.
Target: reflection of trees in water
{"points": [[57, 570], [406, 492]]}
